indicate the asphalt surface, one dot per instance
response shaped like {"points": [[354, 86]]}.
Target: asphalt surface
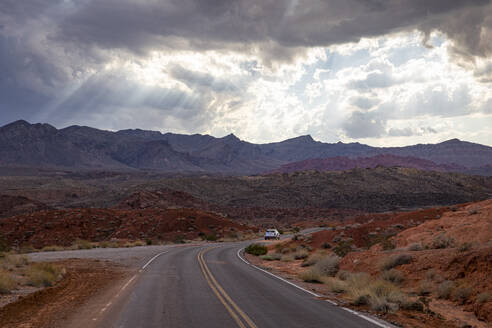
{"points": [[210, 286]]}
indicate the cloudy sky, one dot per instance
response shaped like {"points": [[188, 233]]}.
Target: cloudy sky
{"points": [[381, 72]]}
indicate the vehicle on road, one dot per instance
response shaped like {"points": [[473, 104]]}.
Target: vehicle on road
{"points": [[272, 234]]}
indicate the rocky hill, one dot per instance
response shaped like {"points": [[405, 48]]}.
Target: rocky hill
{"points": [[82, 148], [387, 160]]}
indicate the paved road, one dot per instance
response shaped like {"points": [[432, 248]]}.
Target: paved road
{"points": [[210, 286]]}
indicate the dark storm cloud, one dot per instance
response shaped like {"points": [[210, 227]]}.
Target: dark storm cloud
{"points": [[198, 80], [232, 24]]}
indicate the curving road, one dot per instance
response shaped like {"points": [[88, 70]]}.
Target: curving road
{"points": [[211, 286]]}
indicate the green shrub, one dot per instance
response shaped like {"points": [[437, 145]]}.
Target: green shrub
{"points": [[393, 275], [211, 237], [461, 294], [148, 241], [484, 297], [4, 247], [256, 249], [7, 283], [394, 261], [444, 289]]}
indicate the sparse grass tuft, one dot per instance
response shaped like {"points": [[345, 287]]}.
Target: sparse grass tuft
{"points": [[52, 248], [312, 260], [394, 261], [465, 247], [256, 249]]}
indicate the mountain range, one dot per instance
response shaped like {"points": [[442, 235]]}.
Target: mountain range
{"points": [[83, 148]]}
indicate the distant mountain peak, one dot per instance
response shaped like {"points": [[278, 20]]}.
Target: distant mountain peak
{"points": [[231, 136], [305, 139], [17, 123]]}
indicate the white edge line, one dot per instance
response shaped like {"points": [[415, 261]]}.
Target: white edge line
{"points": [[312, 293], [152, 259]]}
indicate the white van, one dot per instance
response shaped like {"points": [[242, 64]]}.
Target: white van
{"points": [[272, 234]]}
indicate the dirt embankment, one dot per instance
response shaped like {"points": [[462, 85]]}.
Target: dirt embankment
{"points": [[52, 307], [63, 227], [447, 270]]}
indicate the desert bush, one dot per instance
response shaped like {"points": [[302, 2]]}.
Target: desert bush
{"points": [[7, 283], [256, 249], [327, 266], [326, 246], [211, 237], [271, 257], [444, 289], [387, 244], [442, 241], [465, 247], [43, 274], [414, 247], [148, 241], [358, 280], [461, 294], [393, 275], [484, 297], [287, 258], [382, 304], [179, 239], [342, 248], [425, 288], [301, 254], [82, 244], [52, 248], [394, 261], [359, 296], [17, 261], [311, 275], [335, 285], [312, 260], [4, 247]]}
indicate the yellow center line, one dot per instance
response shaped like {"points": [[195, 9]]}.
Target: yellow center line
{"points": [[221, 294]]}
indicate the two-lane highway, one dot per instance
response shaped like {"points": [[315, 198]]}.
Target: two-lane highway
{"points": [[211, 286]]}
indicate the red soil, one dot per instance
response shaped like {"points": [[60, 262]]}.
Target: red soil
{"points": [[63, 227]]}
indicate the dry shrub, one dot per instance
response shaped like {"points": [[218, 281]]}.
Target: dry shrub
{"points": [[445, 289], [271, 257], [462, 294], [311, 276], [301, 254], [43, 274], [313, 259], [425, 288], [82, 244], [7, 283], [335, 285], [414, 247], [393, 275], [52, 248], [484, 298], [327, 266], [394, 261], [287, 258], [442, 241]]}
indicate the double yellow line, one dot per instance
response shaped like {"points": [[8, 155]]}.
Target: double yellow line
{"points": [[236, 313]]}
